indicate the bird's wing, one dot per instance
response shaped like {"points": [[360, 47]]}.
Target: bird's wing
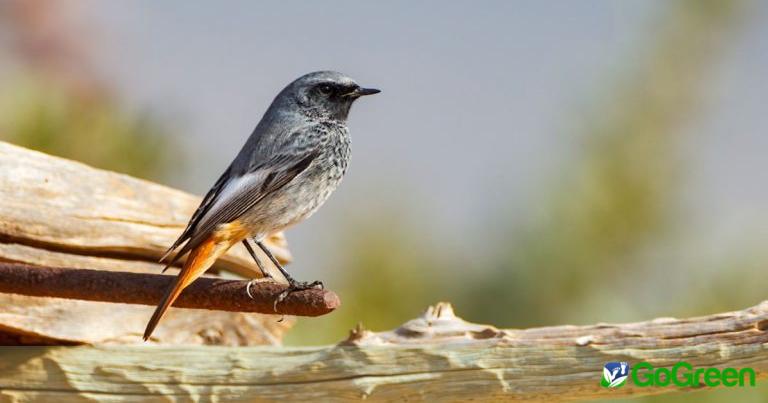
{"points": [[241, 193], [205, 205]]}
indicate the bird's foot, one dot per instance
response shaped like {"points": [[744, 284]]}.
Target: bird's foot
{"points": [[294, 286]]}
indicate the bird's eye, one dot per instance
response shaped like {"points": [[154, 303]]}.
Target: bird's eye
{"points": [[326, 89]]}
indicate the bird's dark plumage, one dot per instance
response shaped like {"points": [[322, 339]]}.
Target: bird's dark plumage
{"points": [[293, 160]]}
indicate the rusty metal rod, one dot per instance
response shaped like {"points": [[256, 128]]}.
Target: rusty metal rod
{"points": [[147, 289]]}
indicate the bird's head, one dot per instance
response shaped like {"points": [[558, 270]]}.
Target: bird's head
{"points": [[327, 93]]}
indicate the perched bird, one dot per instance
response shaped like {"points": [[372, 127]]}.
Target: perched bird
{"points": [[287, 168]]}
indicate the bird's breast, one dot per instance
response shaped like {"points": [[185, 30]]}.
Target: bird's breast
{"points": [[304, 195]]}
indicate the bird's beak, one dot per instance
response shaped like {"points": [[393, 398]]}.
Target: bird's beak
{"points": [[359, 92]]}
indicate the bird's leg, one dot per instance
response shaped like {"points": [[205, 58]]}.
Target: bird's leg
{"points": [[293, 285], [264, 273], [256, 258]]}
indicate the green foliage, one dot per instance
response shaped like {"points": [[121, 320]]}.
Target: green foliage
{"points": [[94, 129], [618, 199]]}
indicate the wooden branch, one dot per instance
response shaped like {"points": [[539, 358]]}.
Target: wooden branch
{"points": [[148, 289], [435, 357]]}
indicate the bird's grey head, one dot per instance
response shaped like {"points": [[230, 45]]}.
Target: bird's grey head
{"points": [[326, 94]]}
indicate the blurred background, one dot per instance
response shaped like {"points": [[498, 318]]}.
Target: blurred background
{"points": [[534, 163]]}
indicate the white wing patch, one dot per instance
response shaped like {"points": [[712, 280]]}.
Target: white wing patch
{"points": [[236, 186]]}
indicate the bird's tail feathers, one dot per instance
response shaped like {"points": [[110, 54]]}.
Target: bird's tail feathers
{"points": [[199, 260]]}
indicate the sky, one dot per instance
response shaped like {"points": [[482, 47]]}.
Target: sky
{"points": [[478, 100]]}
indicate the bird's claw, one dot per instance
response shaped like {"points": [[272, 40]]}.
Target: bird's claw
{"points": [[248, 288], [317, 284], [256, 280], [297, 286]]}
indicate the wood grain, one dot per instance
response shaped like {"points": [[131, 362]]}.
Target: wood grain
{"points": [[59, 205], [437, 356], [61, 213]]}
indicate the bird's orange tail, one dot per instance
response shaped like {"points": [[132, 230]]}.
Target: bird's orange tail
{"points": [[200, 259]]}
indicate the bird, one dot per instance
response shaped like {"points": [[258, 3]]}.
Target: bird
{"points": [[288, 167]]}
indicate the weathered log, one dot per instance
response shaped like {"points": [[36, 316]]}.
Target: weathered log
{"points": [[435, 357], [148, 289], [60, 213], [65, 207]]}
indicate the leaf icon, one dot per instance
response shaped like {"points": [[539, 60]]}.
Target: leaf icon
{"points": [[607, 375], [618, 381]]}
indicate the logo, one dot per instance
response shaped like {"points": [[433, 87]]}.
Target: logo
{"points": [[681, 374], [615, 374]]}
